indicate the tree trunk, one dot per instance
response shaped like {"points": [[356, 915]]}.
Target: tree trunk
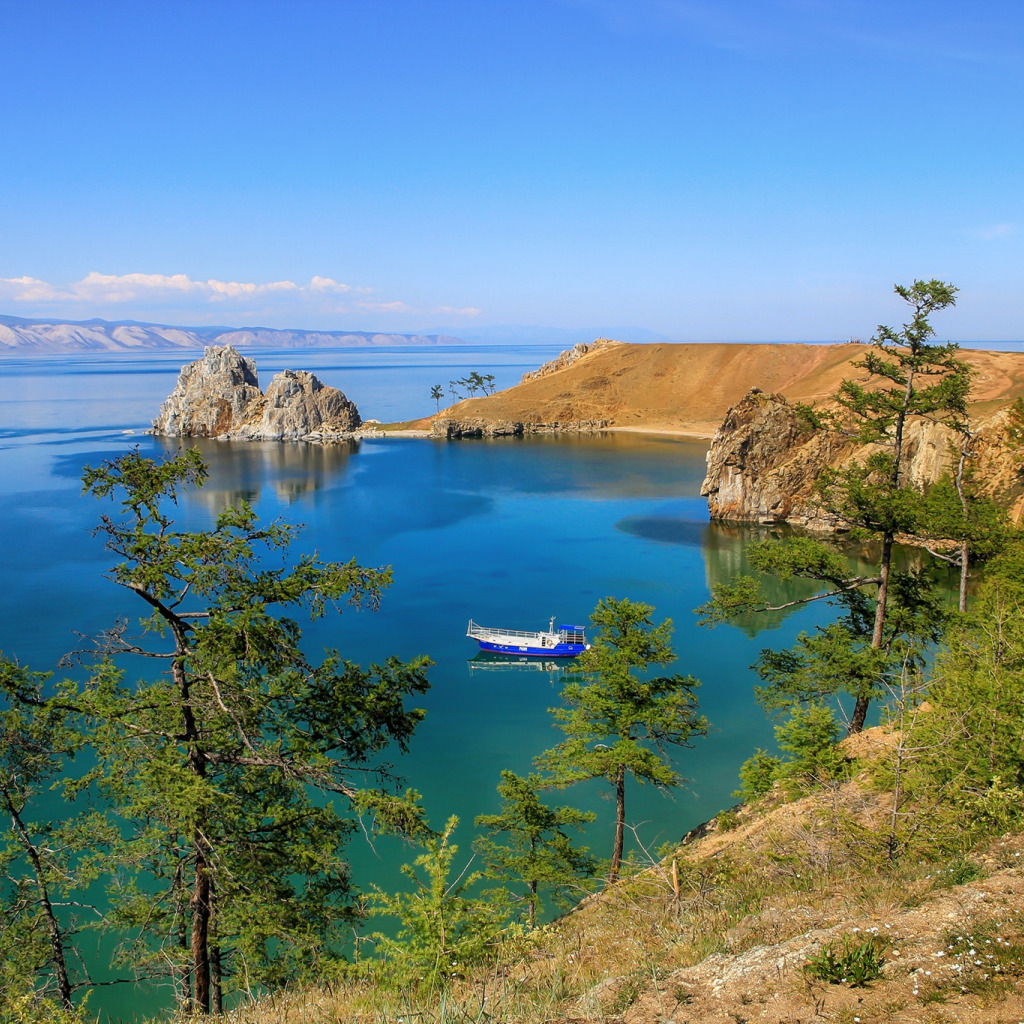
{"points": [[60, 966], [533, 904], [965, 561], [620, 824], [860, 707], [216, 969], [200, 907]]}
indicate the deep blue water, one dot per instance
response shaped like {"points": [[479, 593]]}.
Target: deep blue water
{"points": [[507, 532]]}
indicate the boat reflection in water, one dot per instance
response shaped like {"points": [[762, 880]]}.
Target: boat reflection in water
{"points": [[556, 669]]}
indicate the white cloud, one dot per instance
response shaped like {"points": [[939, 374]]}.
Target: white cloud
{"points": [[466, 311], [140, 295]]}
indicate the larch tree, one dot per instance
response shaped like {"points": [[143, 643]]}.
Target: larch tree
{"points": [[527, 844], [39, 866], [889, 616], [229, 773], [619, 722]]}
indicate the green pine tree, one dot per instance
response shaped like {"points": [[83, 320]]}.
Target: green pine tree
{"points": [[228, 772], [527, 844], [619, 722]]}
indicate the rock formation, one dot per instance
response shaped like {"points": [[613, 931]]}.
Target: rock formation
{"points": [[219, 396], [764, 460], [451, 429], [567, 358]]}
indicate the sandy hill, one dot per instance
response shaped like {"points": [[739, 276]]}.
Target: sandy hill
{"points": [[687, 388]]}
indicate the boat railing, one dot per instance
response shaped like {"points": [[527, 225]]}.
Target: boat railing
{"points": [[518, 634]]}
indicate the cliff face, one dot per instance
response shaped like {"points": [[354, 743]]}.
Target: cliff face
{"points": [[219, 396], [764, 461]]}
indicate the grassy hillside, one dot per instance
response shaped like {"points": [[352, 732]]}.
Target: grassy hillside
{"points": [[687, 388], [723, 928]]}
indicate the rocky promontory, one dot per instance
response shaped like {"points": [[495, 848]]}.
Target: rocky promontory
{"points": [[765, 458], [219, 396]]}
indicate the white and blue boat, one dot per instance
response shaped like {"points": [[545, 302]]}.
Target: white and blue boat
{"points": [[564, 642]]}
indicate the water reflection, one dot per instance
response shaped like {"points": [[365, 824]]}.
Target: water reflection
{"points": [[557, 671], [727, 555], [291, 469]]}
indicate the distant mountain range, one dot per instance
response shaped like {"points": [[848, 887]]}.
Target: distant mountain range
{"points": [[27, 336]]}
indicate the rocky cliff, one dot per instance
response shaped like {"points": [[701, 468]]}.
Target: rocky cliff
{"points": [[765, 458], [567, 358], [219, 396]]}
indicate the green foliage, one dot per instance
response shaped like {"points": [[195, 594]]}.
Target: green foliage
{"points": [[809, 736], [45, 866], [443, 929], [228, 774], [971, 740], [618, 722], [472, 383], [758, 775], [437, 393], [535, 850], [32, 1009], [853, 962]]}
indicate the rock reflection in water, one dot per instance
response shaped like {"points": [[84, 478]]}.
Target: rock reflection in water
{"points": [[726, 556], [244, 468]]}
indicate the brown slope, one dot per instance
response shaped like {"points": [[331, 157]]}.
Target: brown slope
{"points": [[688, 388]]}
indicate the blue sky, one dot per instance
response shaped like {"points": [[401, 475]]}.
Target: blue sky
{"points": [[703, 169]]}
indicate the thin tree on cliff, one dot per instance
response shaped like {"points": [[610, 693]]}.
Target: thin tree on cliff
{"points": [[618, 722], [907, 376], [228, 857]]}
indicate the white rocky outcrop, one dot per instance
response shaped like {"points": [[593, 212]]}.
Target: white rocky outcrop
{"points": [[219, 396]]}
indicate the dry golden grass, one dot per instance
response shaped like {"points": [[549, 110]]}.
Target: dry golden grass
{"points": [[721, 930], [688, 388]]}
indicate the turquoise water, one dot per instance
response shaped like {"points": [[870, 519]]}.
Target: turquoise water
{"points": [[507, 532]]}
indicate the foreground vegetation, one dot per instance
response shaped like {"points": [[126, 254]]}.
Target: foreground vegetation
{"points": [[882, 885], [215, 802]]}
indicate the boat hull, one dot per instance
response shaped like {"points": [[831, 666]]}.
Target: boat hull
{"points": [[526, 651]]}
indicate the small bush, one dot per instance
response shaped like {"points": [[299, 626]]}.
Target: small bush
{"points": [[757, 774], [726, 820], [852, 962]]}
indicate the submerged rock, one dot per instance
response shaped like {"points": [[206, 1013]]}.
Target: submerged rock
{"points": [[219, 396]]}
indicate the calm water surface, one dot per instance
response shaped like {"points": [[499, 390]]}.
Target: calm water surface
{"points": [[508, 532]]}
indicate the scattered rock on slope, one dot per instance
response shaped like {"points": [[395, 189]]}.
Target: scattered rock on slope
{"points": [[219, 396]]}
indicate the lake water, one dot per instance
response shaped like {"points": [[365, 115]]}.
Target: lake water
{"points": [[507, 532]]}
